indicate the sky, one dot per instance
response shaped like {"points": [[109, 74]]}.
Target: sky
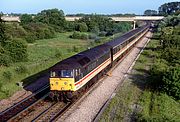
{"points": [[81, 6]]}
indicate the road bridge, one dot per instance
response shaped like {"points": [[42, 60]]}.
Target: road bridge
{"points": [[117, 19], [125, 19]]}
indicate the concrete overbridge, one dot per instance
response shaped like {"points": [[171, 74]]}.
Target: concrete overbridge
{"points": [[117, 19], [133, 19]]}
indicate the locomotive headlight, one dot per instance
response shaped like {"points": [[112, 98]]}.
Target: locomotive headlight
{"points": [[65, 83]]}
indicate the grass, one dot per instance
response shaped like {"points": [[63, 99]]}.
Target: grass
{"points": [[41, 55], [122, 104], [158, 107], [149, 106]]}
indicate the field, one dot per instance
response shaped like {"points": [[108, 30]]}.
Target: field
{"points": [[135, 102], [41, 55]]}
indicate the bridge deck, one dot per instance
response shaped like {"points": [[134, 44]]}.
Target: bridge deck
{"points": [[135, 18]]}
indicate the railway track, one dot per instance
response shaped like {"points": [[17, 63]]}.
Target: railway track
{"points": [[45, 110], [33, 110], [37, 108], [22, 105], [53, 112]]}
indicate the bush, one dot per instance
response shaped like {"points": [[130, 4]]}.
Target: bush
{"points": [[171, 81], [109, 34], [15, 30], [75, 49], [5, 60], [92, 36], [84, 36], [171, 54], [30, 38], [102, 33], [58, 54], [38, 31], [21, 69], [156, 74], [7, 75], [83, 27], [17, 50], [78, 35]]}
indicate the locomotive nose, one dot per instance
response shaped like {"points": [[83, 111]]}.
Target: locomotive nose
{"points": [[62, 84]]}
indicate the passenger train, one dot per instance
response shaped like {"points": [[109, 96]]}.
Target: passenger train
{"points": [[75, 74]]}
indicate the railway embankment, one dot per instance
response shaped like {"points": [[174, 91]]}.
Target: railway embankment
{"points": [[134, 101], [92, 104]]}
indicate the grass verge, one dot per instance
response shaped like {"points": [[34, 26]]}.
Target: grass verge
{"points": [[41, 55], [135, 102]]}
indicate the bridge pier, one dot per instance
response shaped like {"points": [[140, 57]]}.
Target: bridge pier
{"points": [[134, 24]]}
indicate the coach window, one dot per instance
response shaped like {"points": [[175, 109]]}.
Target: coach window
{"points": [[76, 72], [53, 74], [79, 72], [81, 75]]}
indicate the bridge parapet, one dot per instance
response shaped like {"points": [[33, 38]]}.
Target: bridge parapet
{"points": [[135, 18], [149, 18], [118, 19]]}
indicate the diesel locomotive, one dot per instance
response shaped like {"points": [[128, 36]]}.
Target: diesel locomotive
{"points": [[75, 74]]}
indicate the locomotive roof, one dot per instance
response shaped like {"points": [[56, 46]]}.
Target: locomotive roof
{"points": [[124, 37], [83, 58]]}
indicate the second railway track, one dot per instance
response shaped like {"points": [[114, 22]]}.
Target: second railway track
{"points": [[22, 105], [39, 108]]}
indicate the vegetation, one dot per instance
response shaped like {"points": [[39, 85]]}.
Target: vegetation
{"points": [[11, 49], [97, 24], [52, 17], [166, 71], [169, 8], [152, 92], [136, 101], [150, 12], [29, 48], [42, 54]]}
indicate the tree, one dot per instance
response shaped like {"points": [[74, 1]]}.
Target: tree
{"points": [[150, 12], [38, 31], [97, 23], [169, 8], [52, 17], [121, 27], [11, 50], [26, 18], [16, 49], [83, 27]]}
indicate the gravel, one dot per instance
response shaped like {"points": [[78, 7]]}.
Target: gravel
{"points": [[91, 105]]}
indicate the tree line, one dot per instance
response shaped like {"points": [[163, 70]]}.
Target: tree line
{"points": [[165, 9], [165, 73], [45, 25], [11, 49]]}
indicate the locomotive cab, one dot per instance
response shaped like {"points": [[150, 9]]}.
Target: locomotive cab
{"points": [[62, 80]]}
